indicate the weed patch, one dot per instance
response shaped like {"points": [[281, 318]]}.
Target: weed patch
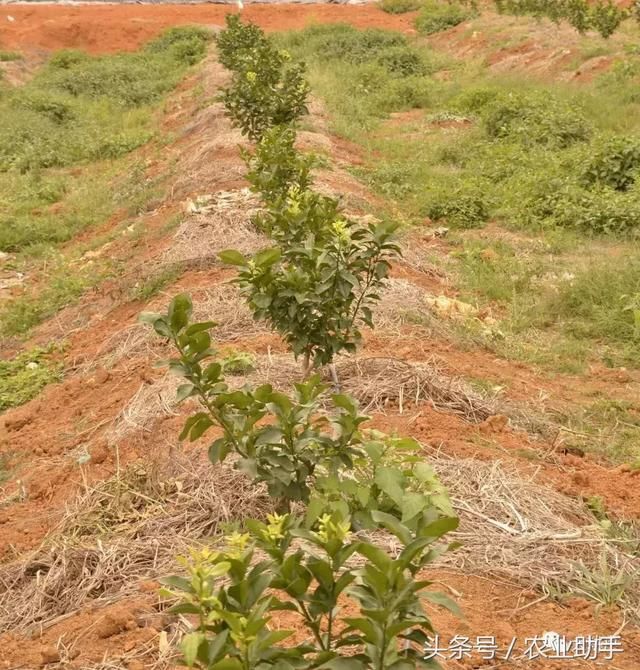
{"points": [[436, 16], [81, 108], [400, 6], [153, 284], [7, 56], [24, 376]]}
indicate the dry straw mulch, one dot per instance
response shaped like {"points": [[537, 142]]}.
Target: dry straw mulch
{"points": [[121, 531], [131, 527]]}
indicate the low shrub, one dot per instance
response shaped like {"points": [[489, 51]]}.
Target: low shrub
{"points": [[436, 16], [459, 208], [534, 119], [289, 443], [318, 287], [131, 80], [601, 301], [267, 92], [475, 99], [275, 167], [407, 93], [83, 108], [615, 164], [56, 108], [402, 62], [308, 573], [400, 6], [184, 44], [596, 210], [7, 56], [345, 43], [237, 40]]}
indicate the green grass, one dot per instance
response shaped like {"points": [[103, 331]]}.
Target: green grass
{"points": [[400, 6], [24, 376], [153, 284], [364, 75], [79, 109], [7, 56]]}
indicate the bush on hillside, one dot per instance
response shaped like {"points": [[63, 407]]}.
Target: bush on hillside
{"points": [[535, 119], [400, 6], [435, 16], [616, 164]]}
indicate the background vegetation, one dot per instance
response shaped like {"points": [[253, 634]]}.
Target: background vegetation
{"points": [[555, 165]]}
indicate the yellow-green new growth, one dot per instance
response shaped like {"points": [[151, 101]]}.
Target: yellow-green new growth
{"points": [[330, 530]]}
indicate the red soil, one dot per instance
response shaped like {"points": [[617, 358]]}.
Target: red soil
{"points": [[109, 28]]}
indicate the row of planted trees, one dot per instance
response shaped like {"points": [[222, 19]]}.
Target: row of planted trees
{"points": [[603, 16], [332, 481]]}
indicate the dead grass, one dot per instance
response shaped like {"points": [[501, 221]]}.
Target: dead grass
{"points": [[130, 528], [221, 303], [119, 532], [150, 402], [402, 302], [515, 528], [214, 223], [384, 383]]}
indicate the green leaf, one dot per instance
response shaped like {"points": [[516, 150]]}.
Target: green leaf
{"points": [[261, 300], [212, 372], [161, 327], [199, 327], [190, 644], [343, 664], [232, 257], [175, 582], [391, 481], [269, 435], [148, 317], [378, 557], [443, 600], [219, 450], [184, 391], [216, 646], [267, 257], [345, 402], [227, 664], [393, 525], [179, 311], [315, 508], [219, 569], [367, 627], [200, 427], [413, 504], [439, 528], [184, 608]]}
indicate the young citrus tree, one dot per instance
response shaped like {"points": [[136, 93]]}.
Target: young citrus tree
{"points": [[266, 89], [311, 573], [291, 443], [237, 41], [319, 286], [275, 169]]}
